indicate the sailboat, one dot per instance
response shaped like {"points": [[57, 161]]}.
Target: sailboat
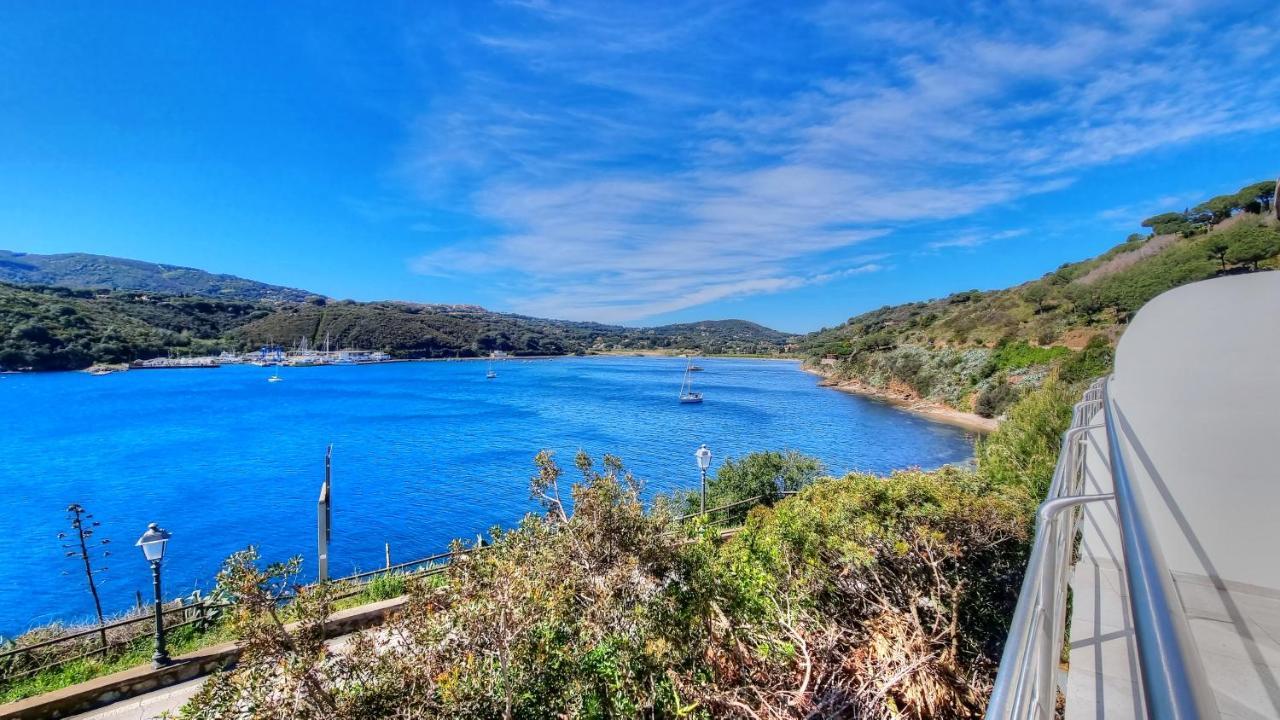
{"points": [[687, 395], [274, 378], [491, 374]]}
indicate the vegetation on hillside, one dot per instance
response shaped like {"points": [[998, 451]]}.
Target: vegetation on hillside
{"points": [[55, 328], [415, 330], [85, 271], [860, 596], [58, 328], [979, 351]]}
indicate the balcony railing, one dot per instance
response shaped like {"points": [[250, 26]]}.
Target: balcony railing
{"points": [[1171, 674]]}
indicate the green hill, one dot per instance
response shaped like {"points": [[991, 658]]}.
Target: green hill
{"points": [[976, 350], [416, 330], [59, 328], [81, 270]]}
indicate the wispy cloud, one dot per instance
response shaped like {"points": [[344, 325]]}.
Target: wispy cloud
{"points": [[974, 238], [649, 158]]}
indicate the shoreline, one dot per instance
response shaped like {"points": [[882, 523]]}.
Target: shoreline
{"points": [[924, 408], [670, 354], [121, 367]]}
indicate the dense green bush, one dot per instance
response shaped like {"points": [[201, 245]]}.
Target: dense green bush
{"points": [[765, 475], [1093, 362], [1024, 449], [1021, 354], [994, 399]]}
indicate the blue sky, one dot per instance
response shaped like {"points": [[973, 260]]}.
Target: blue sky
{"points": [[790, 163]]}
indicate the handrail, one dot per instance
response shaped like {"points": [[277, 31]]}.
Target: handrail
{"points": [[1172, 676], [1025, 686], [434, 564], [1173, 679]]}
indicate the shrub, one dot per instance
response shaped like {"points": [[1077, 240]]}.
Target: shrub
{"points": [[1020, 354], [1024, 449], [1093, 362], [759, 474], [859, 597], [993, 400], [384, 587]]}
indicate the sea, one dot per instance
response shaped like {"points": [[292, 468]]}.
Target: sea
{"points": [[423, 453]]}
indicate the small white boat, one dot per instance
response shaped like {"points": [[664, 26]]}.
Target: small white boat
{"points": [[687, 395], [491, 373], [274, 378]]}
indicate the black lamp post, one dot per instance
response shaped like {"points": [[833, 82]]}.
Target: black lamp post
{"points": [[152, 543], [703, 456]]}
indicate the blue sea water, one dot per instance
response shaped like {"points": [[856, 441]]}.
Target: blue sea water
{"points": [[423, 453]]}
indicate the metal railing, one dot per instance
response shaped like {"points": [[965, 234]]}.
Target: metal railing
{"points": [[1173, 680], [1026, 685], [31, 659]]}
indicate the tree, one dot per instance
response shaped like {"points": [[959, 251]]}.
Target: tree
{"points": [[82, 547], [1024, 449], [1036, 295], [1252, 245], [1219, 208], [1217, 250], [1258, 195], [764, 475], [1168, 223]]}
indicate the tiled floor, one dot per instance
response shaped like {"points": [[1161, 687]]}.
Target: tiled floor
{"points": [[1236, 629]]}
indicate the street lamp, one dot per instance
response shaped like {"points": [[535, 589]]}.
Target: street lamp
{"points": [[152, 543], [704, 461]]}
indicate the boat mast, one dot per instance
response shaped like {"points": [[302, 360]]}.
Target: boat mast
{"points": [[686, 385]]}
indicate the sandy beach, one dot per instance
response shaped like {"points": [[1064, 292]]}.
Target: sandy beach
{"points": [[932, 410]]}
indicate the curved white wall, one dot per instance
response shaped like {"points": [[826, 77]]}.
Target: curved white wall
{"points": [[1197, 385]]}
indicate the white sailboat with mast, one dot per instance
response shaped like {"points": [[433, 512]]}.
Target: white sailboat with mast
{"points": [[687, 395]]}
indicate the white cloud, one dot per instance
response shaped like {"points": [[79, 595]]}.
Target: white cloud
{"points": [[974, 238], [630, 178]]}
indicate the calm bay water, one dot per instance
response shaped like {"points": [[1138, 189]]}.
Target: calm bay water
{"points": [[423, 453]]}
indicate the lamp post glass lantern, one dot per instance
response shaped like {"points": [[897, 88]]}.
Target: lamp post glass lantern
{"points": [[703, 455], [153, 543]]}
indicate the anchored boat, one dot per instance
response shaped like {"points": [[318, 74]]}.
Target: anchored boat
{"points": [[687, 395]]}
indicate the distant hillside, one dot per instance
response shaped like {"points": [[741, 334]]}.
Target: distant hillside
{"points": [[728, 334], [45, 327], [977, 350], [55, 328], [81, 270], [416, 330]]}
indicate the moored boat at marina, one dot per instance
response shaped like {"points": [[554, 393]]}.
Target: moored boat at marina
{"points": [[107, 368], [191, 363]]}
